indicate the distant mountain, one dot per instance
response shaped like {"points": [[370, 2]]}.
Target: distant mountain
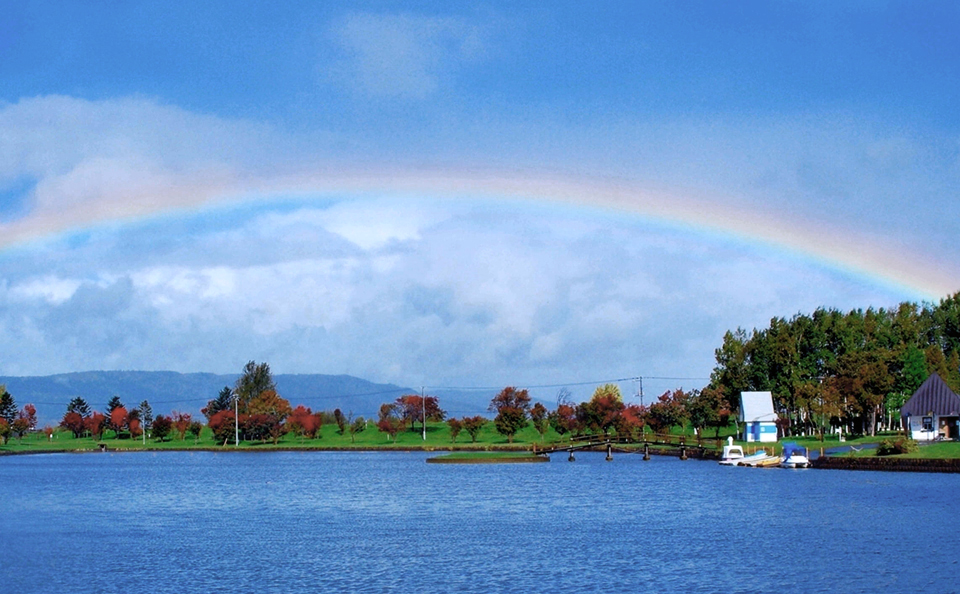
{"points": [[189, 392]]}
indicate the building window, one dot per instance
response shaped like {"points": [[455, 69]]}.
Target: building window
{"points": [[928, 423]]}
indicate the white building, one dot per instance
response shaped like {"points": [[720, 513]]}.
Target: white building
{"points": [[758, 417], [933, 411]]}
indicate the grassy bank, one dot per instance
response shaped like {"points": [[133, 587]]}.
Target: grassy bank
{"points": [[438, 438]]}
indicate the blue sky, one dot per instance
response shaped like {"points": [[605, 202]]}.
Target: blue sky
{"points": [[464, 194]]}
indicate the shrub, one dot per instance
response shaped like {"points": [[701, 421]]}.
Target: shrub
{"points": [[900, 445]]}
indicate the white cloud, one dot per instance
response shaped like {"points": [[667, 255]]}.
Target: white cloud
{"points": [[374, 223], [49, 288]]}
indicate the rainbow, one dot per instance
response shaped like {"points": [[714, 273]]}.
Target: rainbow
{"points": [[853, 253]]}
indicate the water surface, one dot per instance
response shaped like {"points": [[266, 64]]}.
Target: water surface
{"points": [[388, 522]]}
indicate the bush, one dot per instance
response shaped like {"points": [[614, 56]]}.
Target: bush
{"points": [[900, 445]]}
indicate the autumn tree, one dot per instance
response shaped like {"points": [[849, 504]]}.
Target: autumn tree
{"points": [[473, 426], [73, 422], [223, 426], [29, 414], [413, 407], [95, 424], [512, 406], [630, 422], [181, 423], [455, 427], [20, 427], [117, 420], [540, 420], [135, 428], [4, 431], [341, 421], [161, 427], [390, 419], [564, 419], [668, 411], [601, 411], [302, 422]]}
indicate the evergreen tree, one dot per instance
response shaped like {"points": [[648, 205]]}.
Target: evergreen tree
{"points": [[223, 401], [113, 404], [8, 408], [146, 415], [79, 405]]}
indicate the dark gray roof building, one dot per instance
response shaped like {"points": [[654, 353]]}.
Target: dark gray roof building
{"points": [[935, 396]]}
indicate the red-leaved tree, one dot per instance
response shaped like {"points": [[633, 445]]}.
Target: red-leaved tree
{"points": [[223, 426], [118, 420], [73, 423], [391, 420], [413, 407], [181, 422], [94, 424]]}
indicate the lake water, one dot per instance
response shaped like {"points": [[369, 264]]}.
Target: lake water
{"points": [[389, 522]]}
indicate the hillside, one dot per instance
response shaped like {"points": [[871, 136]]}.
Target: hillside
{"points": [[189, 392]]}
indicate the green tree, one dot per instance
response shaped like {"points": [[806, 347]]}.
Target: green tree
{"points": [[733, 368], [113, 404], [146, 417], [255, 379], [8, 408], [223, 401], [79, 405], [359, 425], [670, 410], [540, 420], [511, 406], [194, 429]]}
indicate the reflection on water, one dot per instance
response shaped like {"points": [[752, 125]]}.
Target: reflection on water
{"points": [[388, 522]]}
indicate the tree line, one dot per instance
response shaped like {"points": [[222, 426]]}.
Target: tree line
{"points": [[833, 369]]}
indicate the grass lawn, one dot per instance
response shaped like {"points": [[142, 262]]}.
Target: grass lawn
{"points": [[438, 438]]}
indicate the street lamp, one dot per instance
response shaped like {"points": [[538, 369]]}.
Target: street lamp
{"points": [[423, 405]]}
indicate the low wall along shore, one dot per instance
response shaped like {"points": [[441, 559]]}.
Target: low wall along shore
{"points": [[888, 464]]}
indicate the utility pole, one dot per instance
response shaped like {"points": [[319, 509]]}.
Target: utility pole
{"points": [[236, 420], [643, 428], [423, 404]]}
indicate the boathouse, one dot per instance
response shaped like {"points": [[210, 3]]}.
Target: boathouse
{"points": [[758, 416], [932, 411]]}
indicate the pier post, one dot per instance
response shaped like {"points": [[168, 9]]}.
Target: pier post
{"points": [[571, 458], [609, 452], [646, 451], [683, 452]]}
